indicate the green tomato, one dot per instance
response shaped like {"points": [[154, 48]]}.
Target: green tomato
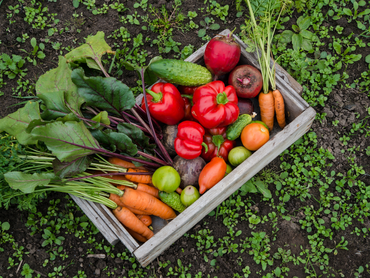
{"points": [[228, 169], [260, 122], [189, 195], [237, 155], [166, 179]]}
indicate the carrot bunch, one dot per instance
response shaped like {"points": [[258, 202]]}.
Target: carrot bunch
{"points": [[270, 102], [136, 205]]}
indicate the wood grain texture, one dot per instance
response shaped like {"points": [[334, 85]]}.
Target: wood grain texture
{"points": [[88, 208], [227, 186], [116, 226]]}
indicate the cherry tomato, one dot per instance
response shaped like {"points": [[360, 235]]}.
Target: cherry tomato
{"points": [[254, 136]]}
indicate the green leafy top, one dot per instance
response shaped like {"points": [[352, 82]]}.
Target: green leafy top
{"points": [[90, 52]]}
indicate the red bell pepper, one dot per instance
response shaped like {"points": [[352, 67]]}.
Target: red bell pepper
{"points": [[187, 90], [165, 103], [215, 105], [189, 140], [218, 144]]}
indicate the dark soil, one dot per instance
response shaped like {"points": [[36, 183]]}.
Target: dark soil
{"points": [[343, 104]]}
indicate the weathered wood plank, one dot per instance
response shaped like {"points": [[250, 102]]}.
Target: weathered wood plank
{"points": [[117, 227], [96, 219], [221, 191]]}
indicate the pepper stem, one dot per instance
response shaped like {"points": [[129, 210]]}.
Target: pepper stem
{"points": [[222, 98], [156, 96], [205, 147]]}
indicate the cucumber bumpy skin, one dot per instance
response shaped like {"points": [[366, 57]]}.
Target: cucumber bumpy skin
{"points": [[181, 72], [233, 131], [173, 200]]}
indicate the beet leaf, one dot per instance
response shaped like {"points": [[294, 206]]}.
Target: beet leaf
{"points": [[16, 123], [106, 93]]}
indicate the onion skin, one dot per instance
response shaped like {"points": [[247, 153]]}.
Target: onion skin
{"points": [[222, 54], [247, 81]]}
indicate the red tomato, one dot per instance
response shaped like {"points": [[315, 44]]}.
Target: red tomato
{"points": [[254, 136]]}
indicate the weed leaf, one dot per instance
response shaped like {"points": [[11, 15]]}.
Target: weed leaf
{"points": [[297, 41], [263, 188]]}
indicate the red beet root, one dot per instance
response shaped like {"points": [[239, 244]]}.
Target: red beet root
{"points": [[221, 55], [245, 106], [247, 81]]}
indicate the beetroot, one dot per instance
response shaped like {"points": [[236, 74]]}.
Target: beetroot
{"points": [[245, 106], [247, 81], [221, 55]]}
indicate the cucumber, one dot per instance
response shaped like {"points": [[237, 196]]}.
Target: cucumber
{"points": [[173, 200], [181, 72], [234, 130]]}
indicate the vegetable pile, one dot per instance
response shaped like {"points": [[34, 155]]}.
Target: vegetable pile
{"points": [[85, 134]]}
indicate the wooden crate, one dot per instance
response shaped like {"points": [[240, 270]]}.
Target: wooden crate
{"points": [[300, 118]]}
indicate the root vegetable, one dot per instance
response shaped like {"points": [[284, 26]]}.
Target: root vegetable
{"points": [[245, 106], [221, 55], [169, 135], [189, 170], [247, 81]]}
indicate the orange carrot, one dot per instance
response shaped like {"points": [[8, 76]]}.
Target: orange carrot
{"points": [[139, 178], [146, 219], [124, 163], [135, 235], [146, 202], [145, 188], [115, 198], [178, 190], [279, 108], [120, 162], [128, 219], [148, 189], [267, 108]]}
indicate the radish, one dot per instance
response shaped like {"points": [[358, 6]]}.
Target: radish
{"points": [[221, 55], [247, 81]]}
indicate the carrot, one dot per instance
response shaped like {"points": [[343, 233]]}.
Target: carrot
{"points": [[139, 178], [136, 236], [267, 108], [178, 190], [148, 189], [279, 108], [146, 202], [120, 162], [145, 188], [146, 219], [128, 219], [115, 198]]}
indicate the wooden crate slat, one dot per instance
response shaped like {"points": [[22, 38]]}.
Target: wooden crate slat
{"points": [[116, 226], [96, 219], [216, 195]]}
